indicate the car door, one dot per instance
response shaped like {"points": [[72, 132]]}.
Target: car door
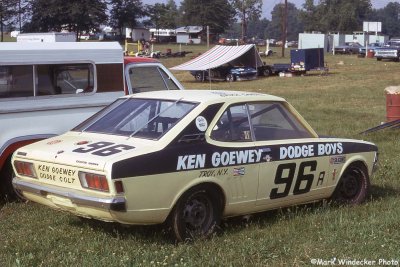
{"points": [[232, 142], [292, 169]]}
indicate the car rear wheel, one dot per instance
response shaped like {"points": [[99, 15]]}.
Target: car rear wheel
{"points": [[196, 214], [230, 78], [353, 186]]}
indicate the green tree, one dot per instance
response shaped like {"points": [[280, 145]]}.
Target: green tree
{"points": [[7, 12], [170, 20], [162, 16], [217, 14], [310, 16], [75, 15], [247, 10], [336, 15], [86, 15], [390, 18], [258, 28], [126, 13], [294, 24]]}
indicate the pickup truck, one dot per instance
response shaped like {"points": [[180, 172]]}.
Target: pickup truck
{"points": [[391, 51], [48, 88]]}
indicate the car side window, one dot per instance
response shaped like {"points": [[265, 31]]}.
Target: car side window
{"points": [[45, 79], [150, 78], [272, 121], [16, 81], [233, 125], [68, 79]]}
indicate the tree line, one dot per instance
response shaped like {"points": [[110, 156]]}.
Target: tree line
{"points": [[232, 18]]}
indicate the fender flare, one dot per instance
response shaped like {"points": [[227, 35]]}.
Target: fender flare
{"points": [[13, 144]]}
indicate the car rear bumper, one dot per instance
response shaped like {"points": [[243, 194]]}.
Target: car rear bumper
{"points": [[75, 199]]}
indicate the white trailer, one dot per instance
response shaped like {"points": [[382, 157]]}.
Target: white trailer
{"points": [[47, 37]]}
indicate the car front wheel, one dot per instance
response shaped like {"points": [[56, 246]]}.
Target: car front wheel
{"points": [[353, 186], [196, 214]]}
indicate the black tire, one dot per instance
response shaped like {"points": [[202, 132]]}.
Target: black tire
{"points": [[353, 186], [7, 191], [379, 59], [199, 76], [230, 78], [196, 214], [267, 72]]}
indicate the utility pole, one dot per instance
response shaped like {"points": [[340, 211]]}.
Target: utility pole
{"points": [[244, 24], [284, 28]]}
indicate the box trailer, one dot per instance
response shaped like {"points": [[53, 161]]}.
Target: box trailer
{"points": [[307, 59], [301, 61], [47, 37]]}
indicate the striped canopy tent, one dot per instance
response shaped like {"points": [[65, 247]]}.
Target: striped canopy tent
{"points": [[243, 55]]}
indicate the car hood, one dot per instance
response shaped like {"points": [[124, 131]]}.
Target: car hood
{"points": [[86, 150]]}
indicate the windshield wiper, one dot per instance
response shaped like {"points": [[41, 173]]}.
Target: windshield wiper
{"points": [[154, 117]]}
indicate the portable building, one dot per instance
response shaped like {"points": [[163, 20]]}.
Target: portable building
{"points": [[189, 35], [315, 40], [47, 37]]}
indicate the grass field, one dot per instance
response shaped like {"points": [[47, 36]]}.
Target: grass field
{"points": [[343, 103]]}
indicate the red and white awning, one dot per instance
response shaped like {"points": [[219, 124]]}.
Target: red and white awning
{"points": [[245, 55]]}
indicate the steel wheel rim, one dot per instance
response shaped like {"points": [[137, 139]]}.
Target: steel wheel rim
{"points": [[350, 185], [197, 213]]}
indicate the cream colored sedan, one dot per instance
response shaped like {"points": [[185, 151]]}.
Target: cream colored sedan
{"points": [[190, 158]]}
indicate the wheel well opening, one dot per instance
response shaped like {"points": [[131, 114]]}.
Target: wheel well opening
{"points": [[358, 164]]}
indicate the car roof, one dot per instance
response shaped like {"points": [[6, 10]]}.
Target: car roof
{"points": [[207, 96]]}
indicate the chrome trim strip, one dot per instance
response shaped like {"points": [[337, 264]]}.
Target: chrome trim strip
{"points": [[113, 203]]}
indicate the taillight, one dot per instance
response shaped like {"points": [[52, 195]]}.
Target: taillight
{"points": [[25, 168], [94, 181]]}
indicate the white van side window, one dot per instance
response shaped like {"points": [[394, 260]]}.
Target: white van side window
{"points": [[45, 79], [16, 81]]}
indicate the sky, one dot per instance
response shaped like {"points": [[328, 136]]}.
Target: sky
{"points": [[268, 5]]}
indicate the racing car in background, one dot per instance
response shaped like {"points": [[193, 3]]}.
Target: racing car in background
{"points": [[190, 158], [227, 73]]}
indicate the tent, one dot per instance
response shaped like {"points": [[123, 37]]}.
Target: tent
{"points": [[245, 55]]}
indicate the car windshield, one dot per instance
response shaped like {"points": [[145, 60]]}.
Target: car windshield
{"points": [[134, 117]]}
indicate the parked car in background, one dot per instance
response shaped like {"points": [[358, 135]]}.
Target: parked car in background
{"points": [[371, 47], [47, 88], [226, 72], [190, 158], [391, 51], [348, 48], [292, 44]]}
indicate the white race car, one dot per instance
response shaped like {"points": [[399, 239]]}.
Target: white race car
{"points": [[191, 158]]}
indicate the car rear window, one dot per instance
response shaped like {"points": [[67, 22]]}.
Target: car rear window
{"points": [[133, 117]]}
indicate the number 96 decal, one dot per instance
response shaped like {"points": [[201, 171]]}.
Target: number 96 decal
{"points": [[303, 180], [103, 149]]}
